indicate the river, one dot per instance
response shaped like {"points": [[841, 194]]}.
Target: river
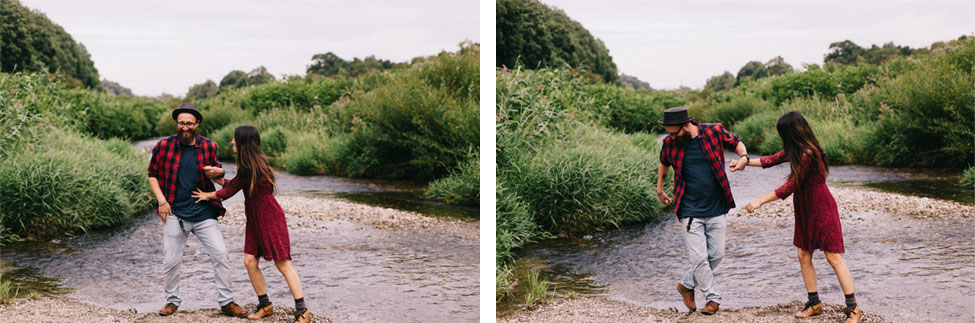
{"points": [[904, 268], [349, 271]]}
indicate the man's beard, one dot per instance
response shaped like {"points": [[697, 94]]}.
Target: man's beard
{"points": [[186, 136], [684, 139]]}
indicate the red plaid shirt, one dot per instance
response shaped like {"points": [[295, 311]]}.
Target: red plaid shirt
{"points": [[714, 138], [165, 161]]}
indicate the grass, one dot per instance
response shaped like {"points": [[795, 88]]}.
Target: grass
{"points": [[6, 293], [537, 290], [968, 178]]}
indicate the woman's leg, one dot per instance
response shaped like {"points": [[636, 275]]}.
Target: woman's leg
{"points": [[808, 271], [254, 272], [842, 272], [290, 276]]}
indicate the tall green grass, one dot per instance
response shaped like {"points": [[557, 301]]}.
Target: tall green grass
{"points": [[561, 168]]}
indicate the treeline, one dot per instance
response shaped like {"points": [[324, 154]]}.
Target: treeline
{"points": [[844, 53], [30, 42], [533, 35]]}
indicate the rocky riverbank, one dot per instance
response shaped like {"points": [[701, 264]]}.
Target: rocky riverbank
{"points": [[62, 309], [853, 201], [601, 309]]}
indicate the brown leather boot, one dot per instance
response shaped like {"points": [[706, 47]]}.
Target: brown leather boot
{"points": [[262, 312], [304, 317], [168, 310], [688, 296], [810, 311], [232, 309], [855, 315], [710, 308]]}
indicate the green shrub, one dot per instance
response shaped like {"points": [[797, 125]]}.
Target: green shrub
{"points": [[455, 73], [593, 181], [461, 186], [112, 179], [968, 178], [737, 109], [216, 115], [930, 113], [304, 154], [516, 226], [298, 92], [756, 129]]}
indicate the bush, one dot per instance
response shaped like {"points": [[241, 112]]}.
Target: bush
{"points": [[461, 186], [594, 181], [737, 109], [968, 178], [930, 110], [110, 174], [299, 92], [756, 129]]}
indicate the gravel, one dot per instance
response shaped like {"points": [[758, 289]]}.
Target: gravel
{"points": [[63, 309], [851, 201], [600, 309]]}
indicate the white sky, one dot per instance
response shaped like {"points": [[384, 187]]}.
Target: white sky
{"points": [[167, 46], [674, 43]]}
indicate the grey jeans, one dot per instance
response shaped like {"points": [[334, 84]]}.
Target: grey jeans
{"points": [[212, 239], [705, 249]]}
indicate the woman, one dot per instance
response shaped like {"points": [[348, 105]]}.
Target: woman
{"points": [[816, 216], [266, 230]]}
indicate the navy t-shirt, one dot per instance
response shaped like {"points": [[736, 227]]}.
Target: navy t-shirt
{"points": [[187, 181], [703, 196]]}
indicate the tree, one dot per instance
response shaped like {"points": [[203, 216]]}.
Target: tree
{"points": [[751, 71], [331, 65], [634, 83], [115, 88], [30, 42], [849, 53], [533, 35], [778, 66], [233, 80], [259, 76], [204, 90], [721, 82]]}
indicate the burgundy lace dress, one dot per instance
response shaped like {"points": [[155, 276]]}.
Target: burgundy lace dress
{"points": [[817, 218], [266, 233]]}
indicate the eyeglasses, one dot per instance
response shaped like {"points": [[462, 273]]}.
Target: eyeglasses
{"points": [[186, 124]]}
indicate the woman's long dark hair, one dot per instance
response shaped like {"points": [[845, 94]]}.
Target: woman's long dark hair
{"points": [[797, 138], [252, 166]]}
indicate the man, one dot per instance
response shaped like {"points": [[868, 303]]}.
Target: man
{"points": [[175, 171], [702, 196]]}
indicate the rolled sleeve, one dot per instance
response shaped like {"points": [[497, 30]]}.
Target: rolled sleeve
{"points": [[729, 140], [153, 169]]}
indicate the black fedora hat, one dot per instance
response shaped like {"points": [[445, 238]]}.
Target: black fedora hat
{"points": [[675, 116], [188, 108]]}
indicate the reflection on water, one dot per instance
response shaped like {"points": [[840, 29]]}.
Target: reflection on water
{"points": [[349, 272]]}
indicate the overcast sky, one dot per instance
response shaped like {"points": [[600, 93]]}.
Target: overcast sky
{"points": [[674, 43], [167, 46]]}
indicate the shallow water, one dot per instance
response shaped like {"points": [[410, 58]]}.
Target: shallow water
{"points": [[349, 272], [905, 269]]}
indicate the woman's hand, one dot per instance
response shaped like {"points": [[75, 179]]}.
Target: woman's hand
{"points": [[753, 205], [200, 195]]}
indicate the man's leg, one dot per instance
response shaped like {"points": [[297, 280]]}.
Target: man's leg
{"points": [[696, 252], [173, 242], [715, 228], [212, 239]]}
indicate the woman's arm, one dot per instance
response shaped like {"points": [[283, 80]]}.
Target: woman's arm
{"points": [[753, 205]]}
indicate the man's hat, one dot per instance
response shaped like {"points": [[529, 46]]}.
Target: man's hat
{"points": [[675, 116], [188, 108]]}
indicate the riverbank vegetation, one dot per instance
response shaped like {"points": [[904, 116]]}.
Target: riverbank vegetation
{"points": [[67, 165]]}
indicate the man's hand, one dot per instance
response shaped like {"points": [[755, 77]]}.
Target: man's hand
{"points": [[738, 164], [163, 210], [753, 205], [663, 197], [213, 172]]}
